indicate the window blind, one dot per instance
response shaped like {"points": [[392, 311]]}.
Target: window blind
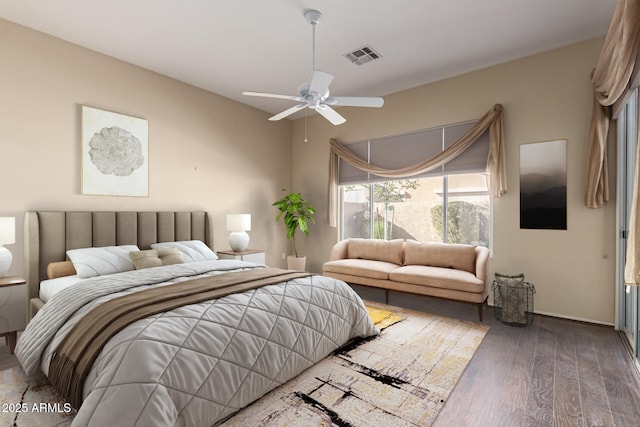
{"points": [[399, 151]]}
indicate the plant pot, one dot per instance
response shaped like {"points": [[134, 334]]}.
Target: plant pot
{"points": [[296, 263]]}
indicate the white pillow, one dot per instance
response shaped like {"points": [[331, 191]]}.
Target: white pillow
{"points": [[191, 250], [91, 262]]}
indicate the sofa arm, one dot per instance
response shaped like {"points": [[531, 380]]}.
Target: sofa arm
{"points": [[482, 262], [339, 250]]}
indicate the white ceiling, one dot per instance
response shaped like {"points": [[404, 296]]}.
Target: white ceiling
{"points": [[228, 47]]}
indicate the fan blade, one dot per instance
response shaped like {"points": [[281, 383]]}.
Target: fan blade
{"points": [[320, 82], [287, 112], [355, 101], [330, 114], [272, 95]]}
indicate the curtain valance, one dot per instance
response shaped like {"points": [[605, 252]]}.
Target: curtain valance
{"points": [[496, 167]]}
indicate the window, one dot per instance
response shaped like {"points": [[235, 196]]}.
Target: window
{"points": [[453, 209], [451, 204]]}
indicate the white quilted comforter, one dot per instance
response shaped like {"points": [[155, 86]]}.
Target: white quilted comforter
{"points": [[195, 365]]}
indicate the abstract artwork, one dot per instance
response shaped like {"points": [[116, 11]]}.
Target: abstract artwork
{"points": [[543, 185], [115, 154]]}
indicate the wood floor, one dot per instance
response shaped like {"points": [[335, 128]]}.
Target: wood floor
{"points": [[553, 372]]}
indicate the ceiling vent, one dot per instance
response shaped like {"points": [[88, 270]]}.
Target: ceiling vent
{"points": [[363, 55]]}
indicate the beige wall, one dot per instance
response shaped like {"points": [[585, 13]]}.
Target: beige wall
{"points": [[208, 152], [545, 97], [205, 151]]}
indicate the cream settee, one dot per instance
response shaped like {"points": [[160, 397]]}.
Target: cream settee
{"points": [[451, 271]]}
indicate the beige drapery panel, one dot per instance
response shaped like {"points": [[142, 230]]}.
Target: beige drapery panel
{"points": [[611, 81], [632, 263], [496, 166], [614, 77]]}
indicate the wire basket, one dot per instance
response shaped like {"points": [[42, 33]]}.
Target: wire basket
{"points": [[513, 300]]}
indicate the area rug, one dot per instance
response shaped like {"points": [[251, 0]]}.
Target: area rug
{"points": [[401, 377], [31, 401]]}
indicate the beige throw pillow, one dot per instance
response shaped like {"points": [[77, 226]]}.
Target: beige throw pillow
{"points": [[155, 257], [60, 269], [169, 256], [145, 259]]}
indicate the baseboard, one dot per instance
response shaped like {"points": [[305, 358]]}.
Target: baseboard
{"points": [[577, 319]]}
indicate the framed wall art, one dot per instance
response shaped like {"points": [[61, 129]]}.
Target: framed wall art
{"points": [[115, 154], [543, 185]]}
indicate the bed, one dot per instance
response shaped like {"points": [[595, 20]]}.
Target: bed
{"points": [[187, 343]]}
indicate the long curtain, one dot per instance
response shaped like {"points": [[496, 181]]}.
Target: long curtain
{"points": [[614, 79], [632, 263], [496, 166], [612, 82]]}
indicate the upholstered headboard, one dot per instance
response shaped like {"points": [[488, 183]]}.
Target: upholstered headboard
{"points": [[48, 235]]}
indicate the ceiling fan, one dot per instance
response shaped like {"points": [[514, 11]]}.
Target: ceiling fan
{"points": [[315, 93]]}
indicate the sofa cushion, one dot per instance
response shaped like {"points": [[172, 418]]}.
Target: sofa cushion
{"points": [[360, 267], [376, 249], [438, 277], [447, 255]]}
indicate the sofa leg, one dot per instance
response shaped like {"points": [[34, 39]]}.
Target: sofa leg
{"points": [[480, 306], [386, 296]]}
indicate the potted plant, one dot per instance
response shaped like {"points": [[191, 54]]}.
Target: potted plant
{"points": [[296, 213]]}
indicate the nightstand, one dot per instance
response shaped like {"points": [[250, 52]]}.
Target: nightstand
{"points": [[250, 255], [13, 308]]}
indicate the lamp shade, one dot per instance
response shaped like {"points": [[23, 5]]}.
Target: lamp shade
{"points": [[8, 230], [238, 222]]}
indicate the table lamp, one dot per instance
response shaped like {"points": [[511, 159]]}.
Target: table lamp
{"points": [[238, 225], [7, 237]]}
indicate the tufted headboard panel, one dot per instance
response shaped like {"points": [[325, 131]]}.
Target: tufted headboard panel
{"points": [[49, 234]]}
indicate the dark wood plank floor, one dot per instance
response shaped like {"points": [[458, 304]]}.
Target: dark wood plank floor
{"points": [[553, 372]]}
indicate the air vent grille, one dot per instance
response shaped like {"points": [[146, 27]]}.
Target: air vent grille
{"points": [[363, 55]]}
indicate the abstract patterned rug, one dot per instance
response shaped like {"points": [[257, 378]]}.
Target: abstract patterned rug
{"points": [[400, 378]]}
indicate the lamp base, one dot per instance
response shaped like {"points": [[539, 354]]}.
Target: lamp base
{"points": [[238, 241], [5, 260]]}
